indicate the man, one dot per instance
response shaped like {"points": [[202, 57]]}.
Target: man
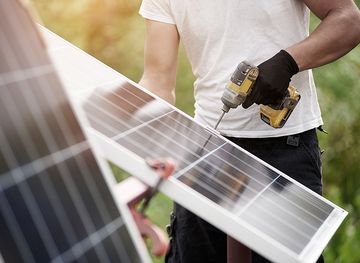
{"points": [[217, 35]]}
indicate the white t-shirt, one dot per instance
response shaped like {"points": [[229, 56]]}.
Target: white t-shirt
{"points": [[218, 34]]}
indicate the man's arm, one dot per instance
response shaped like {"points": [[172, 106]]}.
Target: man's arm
{"points": [[160, 59], [337, 34]]}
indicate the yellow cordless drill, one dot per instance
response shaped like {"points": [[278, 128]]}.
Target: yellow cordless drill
{"points": [[240, 86]]}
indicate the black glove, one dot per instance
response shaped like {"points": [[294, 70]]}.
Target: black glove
{"points": [[273, 80]]}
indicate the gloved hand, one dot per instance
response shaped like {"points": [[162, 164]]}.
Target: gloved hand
{"points": [[273, 80]]}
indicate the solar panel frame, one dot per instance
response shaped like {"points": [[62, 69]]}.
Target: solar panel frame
{"points": [[105, 148]]}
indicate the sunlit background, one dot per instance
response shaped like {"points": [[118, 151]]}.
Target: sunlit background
{"points": [[113, 32]]}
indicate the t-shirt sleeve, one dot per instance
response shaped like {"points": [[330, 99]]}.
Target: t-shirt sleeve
{"points": [[158, 10]]}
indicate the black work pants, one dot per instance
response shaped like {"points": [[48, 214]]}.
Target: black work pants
{"points": [[194, 240]]}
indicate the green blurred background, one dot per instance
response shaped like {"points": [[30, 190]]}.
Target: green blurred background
{"points": [[113, 32]]}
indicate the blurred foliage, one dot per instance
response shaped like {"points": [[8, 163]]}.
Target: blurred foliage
{"points": [[112, 31]]}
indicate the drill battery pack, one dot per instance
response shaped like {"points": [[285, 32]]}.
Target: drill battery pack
{"points": [[276, 116]]}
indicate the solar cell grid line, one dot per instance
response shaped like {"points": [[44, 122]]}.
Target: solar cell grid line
{"points": [[38, 219], [7, 179], [136, 125], [76, 250], [10, 77]]}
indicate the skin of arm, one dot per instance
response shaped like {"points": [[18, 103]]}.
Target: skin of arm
{"points": [[160, 59], [337, 34]]}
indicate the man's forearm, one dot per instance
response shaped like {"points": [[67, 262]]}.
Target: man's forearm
{"points": [[337, 34], [161, 88], [160, 59]]}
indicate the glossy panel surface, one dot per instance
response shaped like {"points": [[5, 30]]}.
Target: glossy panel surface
{"points": [[209, 164]]}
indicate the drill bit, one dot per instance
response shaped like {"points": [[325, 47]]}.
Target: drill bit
{"points": [[225, 109], [218, 122]]}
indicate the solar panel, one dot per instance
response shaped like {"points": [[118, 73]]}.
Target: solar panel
{"points": [[55, 205], [286, 218], [217, 180]]}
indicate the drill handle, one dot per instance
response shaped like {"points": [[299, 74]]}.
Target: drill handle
{"points": [[285, 102]]}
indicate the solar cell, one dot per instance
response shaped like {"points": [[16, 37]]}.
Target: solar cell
{"points": [[54, 203], [217, 180]]}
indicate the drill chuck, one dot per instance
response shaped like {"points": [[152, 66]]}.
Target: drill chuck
{"points": [[231, 99], [239, 86], [225, 108]]}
